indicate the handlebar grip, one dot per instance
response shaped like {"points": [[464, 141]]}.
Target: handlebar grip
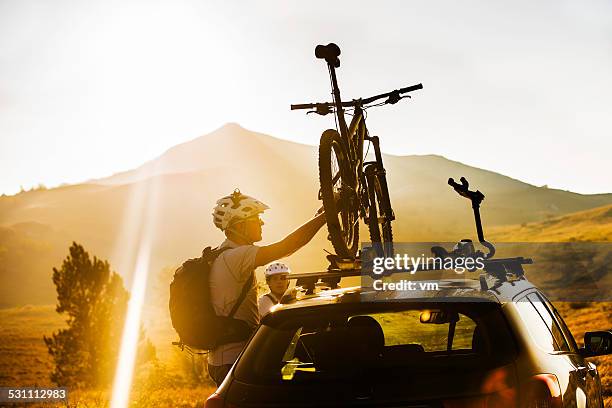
{"points": [[411, 88], [303, 106]]}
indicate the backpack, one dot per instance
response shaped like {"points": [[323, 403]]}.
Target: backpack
{"points": [[191, 310]]}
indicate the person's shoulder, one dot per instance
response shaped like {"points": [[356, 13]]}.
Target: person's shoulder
{"points": [[241, 250], [263, 299]]}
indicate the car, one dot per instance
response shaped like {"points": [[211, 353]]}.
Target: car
{"points": [[470, 343]]}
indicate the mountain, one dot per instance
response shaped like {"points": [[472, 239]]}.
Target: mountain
{"points": [[168, 201]]}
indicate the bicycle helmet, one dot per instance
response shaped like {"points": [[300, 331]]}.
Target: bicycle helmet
{"points": [[234, 207], [276, 268]]}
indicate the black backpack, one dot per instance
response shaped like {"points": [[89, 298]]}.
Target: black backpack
{"points": [[191, 310]]}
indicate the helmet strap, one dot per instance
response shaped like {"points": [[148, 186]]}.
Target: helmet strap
{"points": [[239, 234]]}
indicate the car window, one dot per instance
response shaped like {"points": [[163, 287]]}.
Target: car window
{"points": [[552, 325], [566, 331], [405, 328], [327, 345], [538, 329]]}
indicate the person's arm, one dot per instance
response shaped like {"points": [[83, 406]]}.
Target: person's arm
{"points": [[291, 242]]}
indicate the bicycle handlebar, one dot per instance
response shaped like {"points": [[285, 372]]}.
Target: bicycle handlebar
{"points": [[393, 97]]}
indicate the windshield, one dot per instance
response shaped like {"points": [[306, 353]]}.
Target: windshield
{"points": [[327, 343]]}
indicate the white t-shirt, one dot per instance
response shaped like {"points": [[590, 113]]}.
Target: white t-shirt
{"points": [[228, 274], [265, 303]]}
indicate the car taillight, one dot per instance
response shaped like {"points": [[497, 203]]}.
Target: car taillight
{"points": [[543, 391], [215, 401]]}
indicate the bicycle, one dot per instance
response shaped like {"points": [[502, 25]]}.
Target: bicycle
{"points": [[361, 185]]}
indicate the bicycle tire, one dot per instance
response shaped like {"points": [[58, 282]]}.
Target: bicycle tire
{"points": [[343, 225], [381, 232]]}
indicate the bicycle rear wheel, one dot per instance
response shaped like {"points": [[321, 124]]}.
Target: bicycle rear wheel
{"points": [[337, 176], [379, 215]]}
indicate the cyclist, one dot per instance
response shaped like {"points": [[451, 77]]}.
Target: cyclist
{"points": [[237, 215], [276, 278]]}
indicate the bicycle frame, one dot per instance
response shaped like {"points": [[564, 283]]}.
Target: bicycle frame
{"points": [[354, 136]]}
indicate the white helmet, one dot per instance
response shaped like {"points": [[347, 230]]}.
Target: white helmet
{"points": [[276, 268], [236, 205]]}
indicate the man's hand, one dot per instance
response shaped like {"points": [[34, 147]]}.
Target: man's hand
{"points": [[337, 201]]}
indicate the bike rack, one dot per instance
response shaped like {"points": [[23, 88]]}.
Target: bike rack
{"points": [[476, 197]]}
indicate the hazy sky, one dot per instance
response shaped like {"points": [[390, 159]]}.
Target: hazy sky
{"points": [[89, 88]]}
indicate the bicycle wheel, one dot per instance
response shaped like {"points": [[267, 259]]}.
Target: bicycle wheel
{"points": [[379, 215], [337, 176]]}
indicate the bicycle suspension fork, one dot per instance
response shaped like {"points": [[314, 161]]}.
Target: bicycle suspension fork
{"points": [[387, 211]]}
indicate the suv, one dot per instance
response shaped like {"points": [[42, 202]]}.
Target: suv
{"points": [[467, 345]]}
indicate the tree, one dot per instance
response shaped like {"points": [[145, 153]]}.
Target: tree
{"points": [[95, 301]]}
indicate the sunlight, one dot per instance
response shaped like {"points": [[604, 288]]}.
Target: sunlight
{"points": [[136, 239]]}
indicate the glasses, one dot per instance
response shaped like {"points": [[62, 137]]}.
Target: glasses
{"points": [[254, 218]]}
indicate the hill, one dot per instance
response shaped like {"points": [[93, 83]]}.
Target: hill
{"points": [[168, 200], [591, 225]]}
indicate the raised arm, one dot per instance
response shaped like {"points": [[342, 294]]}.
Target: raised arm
{"points": [[291, 242]]}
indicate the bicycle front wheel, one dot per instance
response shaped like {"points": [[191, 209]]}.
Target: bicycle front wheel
{"points": [[337, 177]]}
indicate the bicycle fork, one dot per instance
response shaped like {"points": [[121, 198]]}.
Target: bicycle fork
{"points": [[386, 211]]}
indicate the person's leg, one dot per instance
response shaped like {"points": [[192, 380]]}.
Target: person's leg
{"points": [[218, 373]]}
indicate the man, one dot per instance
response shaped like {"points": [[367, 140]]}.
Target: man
{"points": [[276, 279], [237, 215]]}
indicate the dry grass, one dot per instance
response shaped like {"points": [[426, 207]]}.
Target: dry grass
{"points": [[24, 361], [583, 317], [594, 225]]}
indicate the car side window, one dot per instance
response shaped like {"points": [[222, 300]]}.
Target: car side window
{"points": [[552, 325], [538, 330], [566, 331]]}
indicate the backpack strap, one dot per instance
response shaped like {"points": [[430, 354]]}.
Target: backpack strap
{"points": [[214, 253], [245, 289]]}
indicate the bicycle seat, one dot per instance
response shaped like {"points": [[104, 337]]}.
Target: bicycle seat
{"points": [[329, 53]]}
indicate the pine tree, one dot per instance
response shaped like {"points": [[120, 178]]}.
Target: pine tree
{"points": [[94, 300]]}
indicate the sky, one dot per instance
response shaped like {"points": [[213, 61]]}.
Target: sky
{"points": [[523, 88]]}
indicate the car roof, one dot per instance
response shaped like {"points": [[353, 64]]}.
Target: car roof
{"points": [[450, 290]]}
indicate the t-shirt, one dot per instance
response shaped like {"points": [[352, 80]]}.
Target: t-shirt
{"points": [[228, 274], [265, 303]]}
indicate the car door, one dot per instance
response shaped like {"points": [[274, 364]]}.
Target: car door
{"points": [[586, 374]]}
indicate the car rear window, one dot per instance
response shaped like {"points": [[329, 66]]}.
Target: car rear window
{"points": [[329, 342]]}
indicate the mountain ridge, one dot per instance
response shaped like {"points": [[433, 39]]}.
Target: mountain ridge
{"points": [[284, 174]]}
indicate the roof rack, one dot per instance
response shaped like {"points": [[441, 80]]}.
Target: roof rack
{"points": [[501, 270]]}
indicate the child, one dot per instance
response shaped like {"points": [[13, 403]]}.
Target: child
{"points": [[276, 278]]}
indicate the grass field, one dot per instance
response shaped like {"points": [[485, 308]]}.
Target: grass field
{"points": [[24, 360]]}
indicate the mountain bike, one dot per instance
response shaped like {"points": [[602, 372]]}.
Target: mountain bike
{"points": [[350, 187]]}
